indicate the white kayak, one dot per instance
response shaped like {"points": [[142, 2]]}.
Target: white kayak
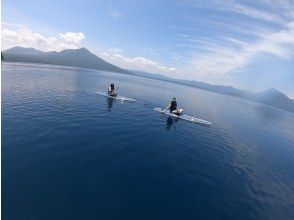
{"points": [[115, 97], [183, 116]]}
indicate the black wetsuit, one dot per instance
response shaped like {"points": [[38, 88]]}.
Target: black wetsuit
{"points": [[173, 106], [111, 90]]}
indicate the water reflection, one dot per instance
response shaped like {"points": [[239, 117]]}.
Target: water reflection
{"points": [[171, 121], [109, 103]]}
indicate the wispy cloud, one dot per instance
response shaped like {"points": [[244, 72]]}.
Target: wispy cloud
{"points": [[221, 60], [253, 13], [138, 63], [115, 50], [239, 7], [219, 45], [113, 13]]}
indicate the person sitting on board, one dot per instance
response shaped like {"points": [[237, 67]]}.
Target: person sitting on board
{"points": [[112, 90], [173, 108]]}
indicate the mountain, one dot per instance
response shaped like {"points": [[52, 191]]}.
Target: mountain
{"points": [[275, 98], [84, 58], [79, 58], [272, 97]]}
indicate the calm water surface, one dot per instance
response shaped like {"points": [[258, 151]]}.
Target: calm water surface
{"points": [[70, 154]]}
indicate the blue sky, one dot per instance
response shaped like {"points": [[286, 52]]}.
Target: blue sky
{"points": [[246, 44]]}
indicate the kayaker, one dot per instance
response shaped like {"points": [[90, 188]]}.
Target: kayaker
{"points": [[111, 90], [173, 107]]}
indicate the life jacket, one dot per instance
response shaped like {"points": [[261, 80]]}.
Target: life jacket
{"points": [[173, 106]]}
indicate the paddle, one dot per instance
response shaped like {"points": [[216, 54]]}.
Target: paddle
{"points": [[166, 108]]}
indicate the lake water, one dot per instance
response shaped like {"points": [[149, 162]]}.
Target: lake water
{"points": [[70, 154]]}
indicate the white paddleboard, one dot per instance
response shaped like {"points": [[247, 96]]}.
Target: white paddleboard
{"points": [[115, 97], [183, 116]]}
